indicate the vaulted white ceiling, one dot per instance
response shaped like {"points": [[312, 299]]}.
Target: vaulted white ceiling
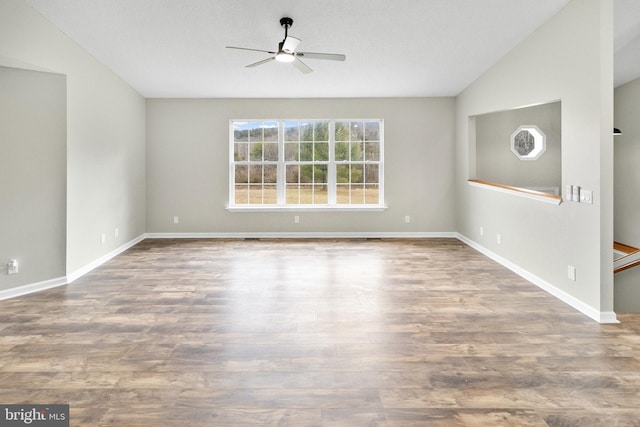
{"points": [[176, 48], [626, 41]]}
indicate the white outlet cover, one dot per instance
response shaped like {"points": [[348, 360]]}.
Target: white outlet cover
{"points": [[12, 266]]}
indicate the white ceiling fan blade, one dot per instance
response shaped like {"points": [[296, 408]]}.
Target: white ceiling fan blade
{"points": [[253, 50], [255, 64], [317, 55], [290, 44], [301, 66]]}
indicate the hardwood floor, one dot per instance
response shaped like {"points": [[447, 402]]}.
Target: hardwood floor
{"points": [[424, 332]]}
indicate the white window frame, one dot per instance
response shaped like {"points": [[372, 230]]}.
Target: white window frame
{"points": [[332, 204]]}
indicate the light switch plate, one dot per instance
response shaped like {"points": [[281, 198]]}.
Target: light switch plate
{"points": [[586, 196]]}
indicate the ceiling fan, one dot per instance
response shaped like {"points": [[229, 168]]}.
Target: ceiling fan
{"points": [[287, 51]]}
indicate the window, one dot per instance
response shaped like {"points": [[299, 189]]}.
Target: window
{"points": [[357, 153], [255, 151], [306, 163], [528, 143]]}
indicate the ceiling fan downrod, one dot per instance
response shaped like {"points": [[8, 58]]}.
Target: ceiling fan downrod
{"points": [[286, 23]]}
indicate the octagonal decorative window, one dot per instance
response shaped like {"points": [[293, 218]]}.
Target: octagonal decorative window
{"points": [[528, 142]]}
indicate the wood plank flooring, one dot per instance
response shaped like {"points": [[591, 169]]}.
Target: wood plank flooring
{"points": [[424, 332]]}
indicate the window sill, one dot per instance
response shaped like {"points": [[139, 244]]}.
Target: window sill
{"points": [[517, 191], [303, 208]]}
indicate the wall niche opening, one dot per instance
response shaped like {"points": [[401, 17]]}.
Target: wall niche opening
{"points": [[519, 149]]}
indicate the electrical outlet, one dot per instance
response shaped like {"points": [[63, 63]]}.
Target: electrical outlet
{"points": [[12, 266], [499, 239], [571, 272], [296, 219], [103, 238], [176, 220], [407, 219], [115, 233], [481, 231]]}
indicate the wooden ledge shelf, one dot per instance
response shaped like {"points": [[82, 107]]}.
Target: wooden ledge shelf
{"points": [[626, 249], [518, 191]]}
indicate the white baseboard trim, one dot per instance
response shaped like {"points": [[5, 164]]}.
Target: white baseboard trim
{"points": [[98, 262], [60, 281], [305, 235], [31, 288], [598, 316]]}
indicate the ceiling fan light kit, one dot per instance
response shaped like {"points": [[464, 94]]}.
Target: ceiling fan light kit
{"points": [[287, 51], [285, 57]]}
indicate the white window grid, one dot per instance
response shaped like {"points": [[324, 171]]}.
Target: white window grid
{"points": [[331, 165]]}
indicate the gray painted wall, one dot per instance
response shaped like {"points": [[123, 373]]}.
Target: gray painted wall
{"points": [[495, 162], [627, 190], [105, 136], [569, 58], [188, 165], [627, 164], [33, 193]]}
